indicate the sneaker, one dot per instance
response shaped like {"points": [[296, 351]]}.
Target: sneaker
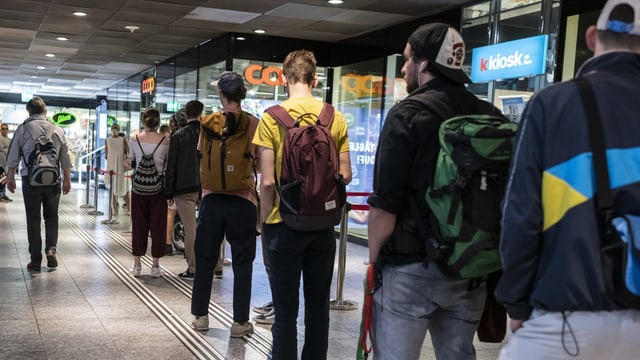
{"points": [[52, 261], [33, 266], [240, 330], [200, 323], [135, 271], [217, 274], [266, 319], [156, 272], [187, 275], [264, 308], [5, 199], [168, 249]]}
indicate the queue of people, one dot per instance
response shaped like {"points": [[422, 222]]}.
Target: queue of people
{"points": [[552, 283]]}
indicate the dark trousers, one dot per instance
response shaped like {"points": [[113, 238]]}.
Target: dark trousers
{"points": [[148, 215], [46, 198], [291, 253], [235, 217]]}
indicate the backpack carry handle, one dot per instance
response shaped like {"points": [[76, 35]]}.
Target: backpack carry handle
{"points": [[283, 117]]}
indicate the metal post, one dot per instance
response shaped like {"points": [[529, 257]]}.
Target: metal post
{"points": [[95, 195], [339, 303], [111, 220], [87, 205]]}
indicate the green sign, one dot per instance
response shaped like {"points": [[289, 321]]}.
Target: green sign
{"points": [[63, 119]]}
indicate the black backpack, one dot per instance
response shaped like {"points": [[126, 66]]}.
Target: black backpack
{"points": [[146, 180], [43, 162]]}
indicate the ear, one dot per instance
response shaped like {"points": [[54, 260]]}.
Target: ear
{"points": [[591, 35], [284, 80], [315, 82]]}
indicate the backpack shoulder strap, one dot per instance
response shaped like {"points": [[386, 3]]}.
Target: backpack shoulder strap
{"points": [[157, 146], [326, 115], [282, 116], [140, 145], [432, 103]]}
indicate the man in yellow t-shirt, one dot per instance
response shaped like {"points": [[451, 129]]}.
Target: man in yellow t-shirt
{"points": [[293, 252]]}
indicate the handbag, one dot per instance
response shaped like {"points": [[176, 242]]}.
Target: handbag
{"points": [[619, 233]]}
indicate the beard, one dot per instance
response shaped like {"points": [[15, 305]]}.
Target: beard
{"points": [[412, 83]]}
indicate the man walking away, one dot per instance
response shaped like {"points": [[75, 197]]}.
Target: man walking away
{"points": [[40, 190], [553, 285], [413, 298]]}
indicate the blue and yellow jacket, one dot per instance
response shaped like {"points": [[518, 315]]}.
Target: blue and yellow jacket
{"points": [[550, 244]]}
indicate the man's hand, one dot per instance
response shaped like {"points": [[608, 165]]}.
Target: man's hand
{"points": [[11, 184], [66, 186], [515, 325]]}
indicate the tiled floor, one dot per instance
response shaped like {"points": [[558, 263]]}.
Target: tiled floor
{"points": [[89, 307]]}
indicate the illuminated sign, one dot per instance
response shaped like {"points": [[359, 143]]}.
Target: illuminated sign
{"points": [[261, 75], [148, 85], [63, 119], [513, 59], [363, 85]]}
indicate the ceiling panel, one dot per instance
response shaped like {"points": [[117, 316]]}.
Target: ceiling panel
{"points": [[100, 51]]}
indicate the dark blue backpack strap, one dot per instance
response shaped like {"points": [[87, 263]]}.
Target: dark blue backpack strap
{"points": [[282, 116]]}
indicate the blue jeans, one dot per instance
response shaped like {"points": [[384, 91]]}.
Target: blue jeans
{"points": [[46, 198], [291, 253], [235, 217], [413, 300]]}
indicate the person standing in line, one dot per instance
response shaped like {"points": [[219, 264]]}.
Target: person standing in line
{"points": [[4, 150], [227, 213], [411, 298], [37, 198], [172, 209], [149, 212], [183, 179], [291, 252], [116, 150], [553, 286]]}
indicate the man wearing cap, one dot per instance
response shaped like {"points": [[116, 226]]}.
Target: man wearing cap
{"points": [[412, 298], [183, 177], [552, 285], [229, 210]]}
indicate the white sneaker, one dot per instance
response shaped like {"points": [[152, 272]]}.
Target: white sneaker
{"points": [[135, 271], [156, 272], [200, 323]]}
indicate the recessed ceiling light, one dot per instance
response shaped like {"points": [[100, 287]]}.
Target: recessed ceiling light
{"points": [[79, 13], [241, 38], [34, 77], [41, 68], [49, 55], [62, 38], [335, 2], [260, 31]]}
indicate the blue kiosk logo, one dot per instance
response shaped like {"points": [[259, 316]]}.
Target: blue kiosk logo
{"points": [[513, 59]]}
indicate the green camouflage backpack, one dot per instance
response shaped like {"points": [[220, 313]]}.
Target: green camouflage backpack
{"points": [[465, 194]]}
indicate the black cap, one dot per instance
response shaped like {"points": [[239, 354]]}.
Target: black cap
{"points": [[230, 82], [443, 46]]}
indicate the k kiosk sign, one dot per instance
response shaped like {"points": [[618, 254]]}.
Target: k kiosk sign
{"points": [[512, 59]]}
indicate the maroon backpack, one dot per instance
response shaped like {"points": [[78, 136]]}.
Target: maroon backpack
{"points": [[312, 192]]}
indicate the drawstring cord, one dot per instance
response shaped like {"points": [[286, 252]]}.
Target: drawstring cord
{"points": [[565, 324]]}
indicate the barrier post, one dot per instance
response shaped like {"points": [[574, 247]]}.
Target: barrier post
{"points": [[95, 195], [87, 205], [110, 220], [339, 303]]}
